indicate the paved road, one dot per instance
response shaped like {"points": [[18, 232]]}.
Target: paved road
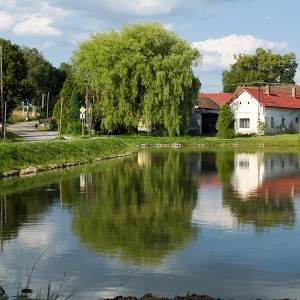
{"points": [[27, 131]]}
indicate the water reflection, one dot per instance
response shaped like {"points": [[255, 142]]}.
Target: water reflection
{"points": [[138, 209], [262, 188], [165, 220]]}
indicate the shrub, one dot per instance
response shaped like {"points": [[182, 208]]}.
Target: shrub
{"points": [[225, 123], [76, 128]]}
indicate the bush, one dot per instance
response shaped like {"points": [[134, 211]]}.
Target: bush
{"points": [[225, 123], [76, 128]]}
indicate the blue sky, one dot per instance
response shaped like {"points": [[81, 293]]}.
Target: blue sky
{"points": [[218, 28]]}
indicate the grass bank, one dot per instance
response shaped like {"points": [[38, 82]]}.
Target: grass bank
{"points": [[16, 155], [275, 141]]}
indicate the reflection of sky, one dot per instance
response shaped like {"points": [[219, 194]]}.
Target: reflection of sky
{"points": [[209, 209], [226, 260]]}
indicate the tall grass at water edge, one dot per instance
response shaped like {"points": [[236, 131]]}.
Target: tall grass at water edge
{"points": [[26, 293]]}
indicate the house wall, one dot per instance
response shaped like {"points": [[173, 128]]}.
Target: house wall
{"points": [[285, 120], [246, 107]]}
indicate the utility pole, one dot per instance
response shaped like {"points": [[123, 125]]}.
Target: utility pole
{"points": [[2, 101], [47, 107], [88, 108]]}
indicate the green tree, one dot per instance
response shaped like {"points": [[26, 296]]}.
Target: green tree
{"points": [[74, 104], [225, 123], [65, 95], [263, 66], [140, 72], [16, 87], [42, 75], [72, 97]]}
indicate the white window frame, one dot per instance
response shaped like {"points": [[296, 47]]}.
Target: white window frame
{"points": [[244, 123]]}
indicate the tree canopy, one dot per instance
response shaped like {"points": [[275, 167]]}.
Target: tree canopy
{"points": [[264, 66], [42, 75], [14, 69], [140, 72]]}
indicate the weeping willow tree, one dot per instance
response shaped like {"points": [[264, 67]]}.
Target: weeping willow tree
{"points": [[140, 72]]}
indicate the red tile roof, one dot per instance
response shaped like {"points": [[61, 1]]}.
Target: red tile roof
{"points": [[274, 99], [219, 98]]}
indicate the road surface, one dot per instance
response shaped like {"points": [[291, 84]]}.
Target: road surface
{"points": [[27, 131]]}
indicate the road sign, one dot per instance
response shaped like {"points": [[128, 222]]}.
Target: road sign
{"points": [[82, 110]]}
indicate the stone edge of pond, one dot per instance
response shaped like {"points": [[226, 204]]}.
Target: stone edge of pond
{"points": [[31, 170]]}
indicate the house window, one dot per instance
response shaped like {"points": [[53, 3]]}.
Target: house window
{"points": [[282, 122], [245, 123], [272, 122], [297, 120]]}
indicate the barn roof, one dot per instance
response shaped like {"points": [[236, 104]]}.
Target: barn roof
{"points": [[213, 100]]}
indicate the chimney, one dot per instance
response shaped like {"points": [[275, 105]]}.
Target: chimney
{"points": [[294, 92], [267, 90]]}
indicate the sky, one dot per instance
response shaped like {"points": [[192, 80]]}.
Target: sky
{"points": [[218, 28]]}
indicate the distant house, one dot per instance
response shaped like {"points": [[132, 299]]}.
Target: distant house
{"points": [[206, 112], [276, 107]]}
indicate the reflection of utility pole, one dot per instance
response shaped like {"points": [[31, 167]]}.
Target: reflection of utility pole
{"points": [[2, 216]]}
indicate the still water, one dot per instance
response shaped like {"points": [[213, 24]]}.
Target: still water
{"points": [[166, 222]]}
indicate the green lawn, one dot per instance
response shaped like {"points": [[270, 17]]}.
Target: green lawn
{"points": [[18, 155]]}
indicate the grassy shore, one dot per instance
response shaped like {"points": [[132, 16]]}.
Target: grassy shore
{"points": [[16, 155]]}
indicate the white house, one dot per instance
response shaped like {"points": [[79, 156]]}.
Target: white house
{"points": [[278, 109]]}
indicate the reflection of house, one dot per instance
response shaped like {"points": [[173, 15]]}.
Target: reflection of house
{"points": [[206, 112], [277, 107], [248, 173], [257, 173]]}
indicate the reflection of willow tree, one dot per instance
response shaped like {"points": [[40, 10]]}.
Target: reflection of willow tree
{"points": [[264, 214], [141, 213]]}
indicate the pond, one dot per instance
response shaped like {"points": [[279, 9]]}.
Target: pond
{"points": [[164, 221]]}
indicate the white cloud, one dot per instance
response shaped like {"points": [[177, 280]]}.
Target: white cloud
{"points": [[144, 7], [218, 53], [47, 44], [36, 26], [169, 26], [7, 21], [185, 26], [33, 20]]}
